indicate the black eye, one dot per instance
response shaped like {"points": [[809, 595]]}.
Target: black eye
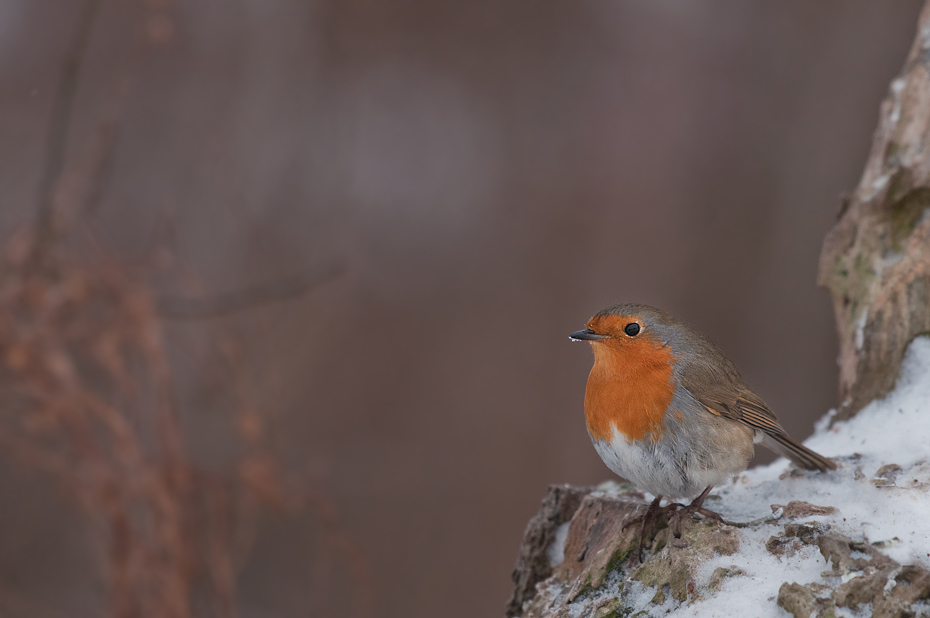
{"points": [[631, 329]]}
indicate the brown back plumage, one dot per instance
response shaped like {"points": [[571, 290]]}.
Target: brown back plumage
{"points": [[712, 379]]}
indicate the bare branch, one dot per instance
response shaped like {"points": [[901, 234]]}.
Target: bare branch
{"points": [[59, 129], [248, 297]]}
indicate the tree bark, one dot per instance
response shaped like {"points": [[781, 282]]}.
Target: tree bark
{"points": [[876, 259]]}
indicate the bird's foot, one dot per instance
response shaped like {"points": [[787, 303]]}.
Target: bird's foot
{"points": [[696, 506], [675, 511], [649, 520]]}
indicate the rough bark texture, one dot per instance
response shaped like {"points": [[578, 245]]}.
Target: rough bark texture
{"points": [[876, 260], [599, 573], [533, 566]]}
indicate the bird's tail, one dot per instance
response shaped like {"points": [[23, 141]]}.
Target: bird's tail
{"points": [[797, 452]]}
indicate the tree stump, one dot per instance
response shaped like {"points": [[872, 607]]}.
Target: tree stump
{"points": [[876, 259]]}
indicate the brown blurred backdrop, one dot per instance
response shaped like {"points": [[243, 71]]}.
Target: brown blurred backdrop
{"points": [[489, 174]]}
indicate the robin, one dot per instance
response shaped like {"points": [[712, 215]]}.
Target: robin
{"points": [[668, 411]]}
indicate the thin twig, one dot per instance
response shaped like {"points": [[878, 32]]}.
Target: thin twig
{"points": [[286, 288], [59, 128]]}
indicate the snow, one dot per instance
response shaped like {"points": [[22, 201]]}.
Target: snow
{"points": [[555, 553], [754, 594], [895, 430], [897, 87], [890, 510]]}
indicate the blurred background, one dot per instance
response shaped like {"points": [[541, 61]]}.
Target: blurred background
{"points": [[387, 217]]}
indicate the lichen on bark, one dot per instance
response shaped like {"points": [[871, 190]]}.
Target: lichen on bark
{"points": [[600, 576], [876, 259]]}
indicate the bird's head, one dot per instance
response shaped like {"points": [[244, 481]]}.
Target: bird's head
{"points": [[628, 327]]}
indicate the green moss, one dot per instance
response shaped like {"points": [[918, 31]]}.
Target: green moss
{"points": [[612, 609], [671, 571], [841, 275], [893, 154], [595, 577], [659, 597], [662, 572], [899, 185], [609, 558], [905, 213], [864, 268], [653, 572], [620, 556], [721, 574], [707, 535]]}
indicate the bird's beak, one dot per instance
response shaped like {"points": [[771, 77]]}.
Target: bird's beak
{"points": [[586, 335]]}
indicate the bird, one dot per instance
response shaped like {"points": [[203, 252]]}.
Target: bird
{"points": [[669, 412]]}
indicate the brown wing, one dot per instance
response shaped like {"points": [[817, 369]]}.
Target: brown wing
{"points": [[736, 402], [713, 380], [745, 407]]}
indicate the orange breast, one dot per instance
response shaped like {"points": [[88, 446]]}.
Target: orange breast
{"points": [[630, 387]]}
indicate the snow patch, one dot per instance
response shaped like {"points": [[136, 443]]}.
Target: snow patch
{"points": [[881, 491], [888, 508], [556, 550], [897, 87], [860, 328]]}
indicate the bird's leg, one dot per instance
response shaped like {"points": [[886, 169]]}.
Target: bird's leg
{"points": [[651, 512], [696, 506], [649, 524], [649, 519]]}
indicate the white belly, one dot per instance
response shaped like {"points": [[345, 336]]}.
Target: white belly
{"points": [[666, 468]]}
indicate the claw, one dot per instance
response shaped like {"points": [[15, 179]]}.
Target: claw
{"points": [[711, 514], [676, 511], [696, 506]]}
